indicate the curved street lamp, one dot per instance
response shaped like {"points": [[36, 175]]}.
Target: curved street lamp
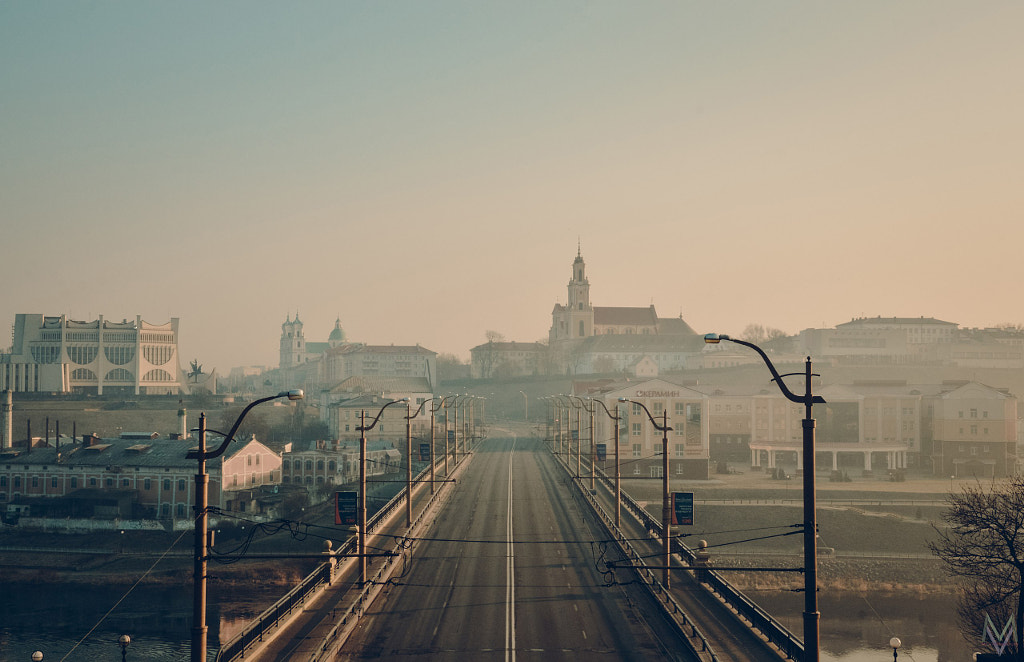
{"points": [[201, 455], [666, 511], [409, 415], [618, 478], [589, 410], [567, 433], [811, 615], [363, 427]]}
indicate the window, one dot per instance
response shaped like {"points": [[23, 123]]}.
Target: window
{"points": [[3, 481], [53, 482], [656, 471], [165, 510], [180, 510], [125, 482], [35, 481], [974, 413], [309, 465], [167, 484], [110, 482], [637, 450], [636, 409], [257, 460], [181, 484], [332, 466], [680, 452], [92, 482], [636, 429], [74, 482], [146, 485], [681, 408], [248, 460], [658, 407], [319, 465]]}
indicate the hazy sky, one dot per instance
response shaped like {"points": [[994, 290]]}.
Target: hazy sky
{"points": [[424, 170]]}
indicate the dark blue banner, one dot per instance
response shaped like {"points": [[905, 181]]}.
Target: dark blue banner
{"points": [[345, 507], [682, 508]]}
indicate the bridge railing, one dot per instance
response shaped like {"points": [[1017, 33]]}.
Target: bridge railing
{"points": [[773, 630], [324, 573]]}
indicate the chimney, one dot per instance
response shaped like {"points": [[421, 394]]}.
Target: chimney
{"points": [[7, 428], [182, 421]]}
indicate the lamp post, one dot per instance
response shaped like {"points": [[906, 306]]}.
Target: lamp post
{"points": [[433, 410], [201, 455], [589, 410], [568, 428], [895, 643], [666, 510], [811, 615], [124, 640], [363, 427], [618, 479], [526, 406], [409, 415]]}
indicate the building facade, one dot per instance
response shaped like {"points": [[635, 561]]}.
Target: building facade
{"points": [[60, 355], [153, 473], [588, 339]]}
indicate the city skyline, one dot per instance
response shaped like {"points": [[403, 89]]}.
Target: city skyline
{"points": [[426, 172]]}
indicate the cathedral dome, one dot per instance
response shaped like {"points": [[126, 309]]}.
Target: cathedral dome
{"points": [[338, 334]]}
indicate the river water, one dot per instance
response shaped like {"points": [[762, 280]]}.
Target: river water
{"points": [[58, 620]]}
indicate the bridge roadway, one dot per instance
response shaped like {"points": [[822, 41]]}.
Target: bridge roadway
{"points": [[513, 568]]}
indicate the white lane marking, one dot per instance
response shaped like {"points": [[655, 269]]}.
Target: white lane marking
{"points": [[510, 575]]}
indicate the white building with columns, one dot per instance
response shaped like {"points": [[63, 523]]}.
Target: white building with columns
{"points": [[56, 354]]}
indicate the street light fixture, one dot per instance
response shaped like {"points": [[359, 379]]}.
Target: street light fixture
{"points": [[124, 640], [201, 455], [589, 410], [894, 643], [363, 427], [811, 615], [37, 656], [666, 511], [618, 478], [409, 415]]}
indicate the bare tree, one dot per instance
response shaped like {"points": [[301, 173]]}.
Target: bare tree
{"points": [[494, 336], [983, 547], [759, 333]]}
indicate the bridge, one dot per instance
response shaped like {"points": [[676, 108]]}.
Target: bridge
{"points": [[514, 557]]}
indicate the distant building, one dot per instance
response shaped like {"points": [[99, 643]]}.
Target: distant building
{"points": [[640, 443], [61, 355], [508, 359], [587, 339], [314, 366], [152, 473]]}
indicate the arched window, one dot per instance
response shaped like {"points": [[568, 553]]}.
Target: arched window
{"points": [[309, 465], [332, 466], [319, 465]]}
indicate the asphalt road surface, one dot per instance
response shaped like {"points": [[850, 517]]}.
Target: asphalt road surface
{"points": [[511, 570]]}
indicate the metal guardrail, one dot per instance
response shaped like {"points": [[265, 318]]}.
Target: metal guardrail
{"points": [[649, 577], [776, 633], [341, 631], [324, 573]]}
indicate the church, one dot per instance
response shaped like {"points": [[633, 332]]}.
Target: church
{"points": [[588, 339]]}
